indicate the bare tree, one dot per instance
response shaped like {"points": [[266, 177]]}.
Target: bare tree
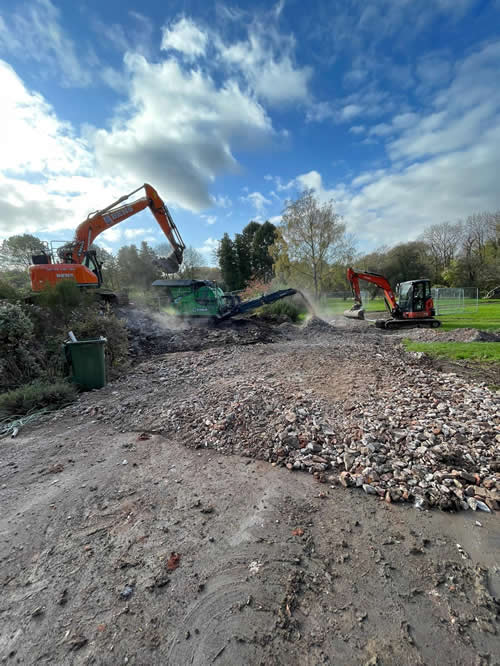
{"points": [[191, 263], [443, 243], [315, 237]]}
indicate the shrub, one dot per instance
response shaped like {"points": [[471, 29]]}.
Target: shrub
{"points": [[284, 307], [15, 325], [18, 363], [8, 292], [92, 323], [254, 289], [65, 294], [35, 396]]}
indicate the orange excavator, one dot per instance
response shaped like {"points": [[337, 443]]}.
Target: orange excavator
{"points": [[78, 262], [414, 306]]}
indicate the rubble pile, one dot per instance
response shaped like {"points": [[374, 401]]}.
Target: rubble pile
{"points": [[151, 333], [456, 335], [433, 443], [388, 426]]}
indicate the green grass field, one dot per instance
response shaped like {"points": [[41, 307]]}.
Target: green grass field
{"points": [[473, 351], [486, 317]]}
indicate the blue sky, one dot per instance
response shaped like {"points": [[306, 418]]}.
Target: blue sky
{"points": [[391, 108]]}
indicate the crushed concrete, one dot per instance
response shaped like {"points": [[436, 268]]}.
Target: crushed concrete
{"points": [[457, 335], [352, 409]]}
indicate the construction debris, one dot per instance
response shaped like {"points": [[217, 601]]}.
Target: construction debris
{"points": [[353, 408]]}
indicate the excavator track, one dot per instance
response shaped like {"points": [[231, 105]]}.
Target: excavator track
{"points": [[395, 324]]}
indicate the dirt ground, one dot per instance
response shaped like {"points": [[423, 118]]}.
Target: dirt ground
{"points": [[122, 545]]}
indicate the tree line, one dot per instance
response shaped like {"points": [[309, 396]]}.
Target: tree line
{"points": [[309, 249], [465, 253]]}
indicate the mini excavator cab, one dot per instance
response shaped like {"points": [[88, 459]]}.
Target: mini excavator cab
{"points": [[414, 296]]}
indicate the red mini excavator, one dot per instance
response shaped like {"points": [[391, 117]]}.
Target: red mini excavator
{"points": [[78, 262], [413, 307]]}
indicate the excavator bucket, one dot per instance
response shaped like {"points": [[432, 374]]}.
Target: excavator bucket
{"points": [[168, 264], [356, 312]]}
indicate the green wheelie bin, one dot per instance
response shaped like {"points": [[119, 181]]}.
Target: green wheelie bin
{"points": [[86, 358]]}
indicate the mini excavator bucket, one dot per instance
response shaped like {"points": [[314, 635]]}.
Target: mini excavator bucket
{"points": [[356, 312]]}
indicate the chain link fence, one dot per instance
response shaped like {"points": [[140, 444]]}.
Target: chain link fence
{"points": [[455, 300]]}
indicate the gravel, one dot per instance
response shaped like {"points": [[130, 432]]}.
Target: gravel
{"points": [[346, 407], [457, 335]]}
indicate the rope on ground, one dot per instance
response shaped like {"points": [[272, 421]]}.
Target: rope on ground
{"points": [[11, 425]]}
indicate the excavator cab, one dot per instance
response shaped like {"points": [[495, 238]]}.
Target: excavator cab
{"points": [[415, 297], [92, 262]]}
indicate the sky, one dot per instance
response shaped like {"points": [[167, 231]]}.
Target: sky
{"points": [[391, 108]]}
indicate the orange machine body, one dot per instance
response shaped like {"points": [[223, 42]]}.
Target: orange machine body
{"points": [[50, 274], [79, 262]]}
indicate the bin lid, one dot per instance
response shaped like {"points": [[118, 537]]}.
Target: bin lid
{"points": [[92, 341]]}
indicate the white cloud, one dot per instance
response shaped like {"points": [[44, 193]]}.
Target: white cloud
{"points": [[47, 173], [463, 112], [278, 8], [112, 235], [444, 164], [136, 35], [135, 233], [209, 219], [313, 181], [258, 200], [357, 129], [105, 246], [222, 201], [265, 59], [382, 129], [434, 69], [404, 120], [355, 76], [317, 112], [114, 79], [280, 185], [350, 111], [208, 249], [185, 37], [31, 136], [33, 32], [179, 147]]}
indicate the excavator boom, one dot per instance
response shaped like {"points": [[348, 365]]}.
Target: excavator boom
{"points": [[97, 222], [357, 311]]}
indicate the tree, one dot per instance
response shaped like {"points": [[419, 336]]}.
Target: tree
{"points": [[281, 261], [191, 264], [128, 265], [262, 262], [16, 251], [244, 249], [228, 262], [149, 272], [109, 266], [443, 244], [315, 237], [406, 261]]}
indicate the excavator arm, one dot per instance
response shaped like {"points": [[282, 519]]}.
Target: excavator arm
{"points": [[99, 221], [357, 311]]}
